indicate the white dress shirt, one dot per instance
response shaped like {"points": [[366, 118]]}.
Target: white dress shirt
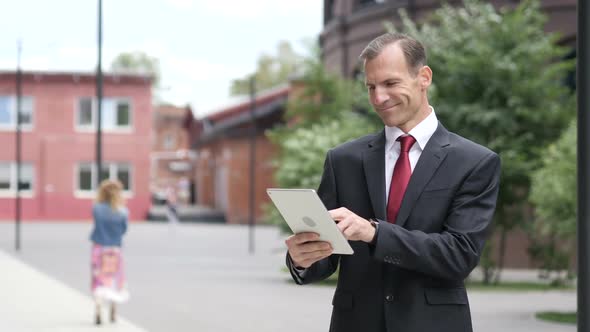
{"points": [[422, 133]]}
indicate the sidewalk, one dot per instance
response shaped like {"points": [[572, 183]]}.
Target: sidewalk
{"points": [[33, 302]]}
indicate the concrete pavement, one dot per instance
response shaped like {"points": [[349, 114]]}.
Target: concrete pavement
{"points": [[208, 277], [31, 301]]}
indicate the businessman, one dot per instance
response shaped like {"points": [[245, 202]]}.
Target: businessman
{"points": [[415, 201]]}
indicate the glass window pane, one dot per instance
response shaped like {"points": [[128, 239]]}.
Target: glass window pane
{"points": [[26, 115], [104, 173], [85, 177], [108, 114], [123, 114], [4, 176], [169, 142], [5, 111], [124, 176], [85, 112], [26, 177]]}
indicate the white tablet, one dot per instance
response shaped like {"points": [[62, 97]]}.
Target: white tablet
{"points": [[303, 211]]}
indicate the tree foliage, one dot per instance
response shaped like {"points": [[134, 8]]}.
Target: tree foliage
{"points": [[137, 63], [318, 118], [271, 70], [498, 80], [553, 192]]}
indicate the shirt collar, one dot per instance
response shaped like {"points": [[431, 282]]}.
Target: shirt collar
{"points": [[421, 132]]}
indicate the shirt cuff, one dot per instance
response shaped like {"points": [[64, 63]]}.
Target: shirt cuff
{"points": [[375, 223], [298, 273]]}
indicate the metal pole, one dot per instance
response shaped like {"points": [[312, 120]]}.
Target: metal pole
{"points": [[251, 221], [99, 84], [18, 146], [583, 90]]}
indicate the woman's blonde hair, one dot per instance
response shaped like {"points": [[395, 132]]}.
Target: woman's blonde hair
{"points": [[110, 192]]}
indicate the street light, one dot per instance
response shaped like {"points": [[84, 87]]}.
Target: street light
{"points": [[583, 89], [17, 201], [99, 98], [251, 221]]}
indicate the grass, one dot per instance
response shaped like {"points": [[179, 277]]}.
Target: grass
{"points": [[559, 317]]}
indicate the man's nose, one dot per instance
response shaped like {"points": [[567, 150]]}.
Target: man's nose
{"points": [[379, 96]]}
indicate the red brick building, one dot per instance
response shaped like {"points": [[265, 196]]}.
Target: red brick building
{"points": [[59, 116], [222, 144], [349, 25], [171, 158]]}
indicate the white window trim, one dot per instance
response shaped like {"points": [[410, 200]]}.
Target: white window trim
{"points": [[91, 194], [91, 128], [26, 127], [28, 193]]}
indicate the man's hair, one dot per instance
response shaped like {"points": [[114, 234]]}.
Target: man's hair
{"points": [[414, 51]]}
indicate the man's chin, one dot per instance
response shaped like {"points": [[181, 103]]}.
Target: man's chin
{"points": [[390, 121]]}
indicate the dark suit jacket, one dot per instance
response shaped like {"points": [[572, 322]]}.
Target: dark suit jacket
{"points": [[412, 278]]}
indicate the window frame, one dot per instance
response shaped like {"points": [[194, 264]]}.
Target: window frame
{"points": [[11, 191], [113, 167], [11, 126], [92, 127]]}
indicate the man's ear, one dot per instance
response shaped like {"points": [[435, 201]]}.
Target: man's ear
{"points": [[425, 76]]}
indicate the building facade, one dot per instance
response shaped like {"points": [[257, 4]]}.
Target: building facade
{"points": [[224, 142], [59, 144], [171, 158], [349, 25]]}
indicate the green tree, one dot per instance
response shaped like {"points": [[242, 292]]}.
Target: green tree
{"points": [[271, 70], [318, 118], [553, 192], [498, 80], [137, 63]]}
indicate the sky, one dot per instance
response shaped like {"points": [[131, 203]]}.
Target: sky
{"points": [[201, 44]]}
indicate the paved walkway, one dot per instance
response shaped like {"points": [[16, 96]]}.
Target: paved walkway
{"points": [[31, 301], [208, 277]]}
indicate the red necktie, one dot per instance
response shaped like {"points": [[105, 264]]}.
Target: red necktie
{"points": [[401, 176]]}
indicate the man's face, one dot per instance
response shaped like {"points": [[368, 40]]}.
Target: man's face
{"points": [[397, 95]]}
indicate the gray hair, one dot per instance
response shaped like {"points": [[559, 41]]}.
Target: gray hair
{"points": [[414, 51]]}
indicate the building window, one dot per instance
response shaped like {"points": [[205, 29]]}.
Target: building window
{"points": [[87, 178], [116, 114], [8, 112], [169, 142], [8, 177], [365, 3], [328, 11]]}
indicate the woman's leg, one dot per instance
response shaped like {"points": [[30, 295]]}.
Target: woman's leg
{"points": [[113, 312], [97, 319]]}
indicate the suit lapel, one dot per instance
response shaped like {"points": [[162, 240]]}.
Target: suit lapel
{"points": [[374, 166], [430, 159]]}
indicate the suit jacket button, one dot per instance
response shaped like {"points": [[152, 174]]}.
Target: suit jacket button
{"points": [[389, 298]]}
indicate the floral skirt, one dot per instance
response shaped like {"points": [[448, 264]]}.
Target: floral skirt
{"points": [[108, 276]]}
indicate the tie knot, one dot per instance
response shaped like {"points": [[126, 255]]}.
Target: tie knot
{"points": [[406, 142]]}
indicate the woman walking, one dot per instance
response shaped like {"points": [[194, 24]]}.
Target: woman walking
{"points": [[110, 224]]}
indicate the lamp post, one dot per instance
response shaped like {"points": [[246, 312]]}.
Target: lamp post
{"points": [[253, 130], [17, 208], [583, 89], [99, 84]]}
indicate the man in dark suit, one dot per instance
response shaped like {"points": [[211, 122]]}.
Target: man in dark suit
{"points": [[415, 201]]}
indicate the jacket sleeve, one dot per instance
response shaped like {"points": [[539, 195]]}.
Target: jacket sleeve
{"points": [[454, 252], [324, 268]]}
